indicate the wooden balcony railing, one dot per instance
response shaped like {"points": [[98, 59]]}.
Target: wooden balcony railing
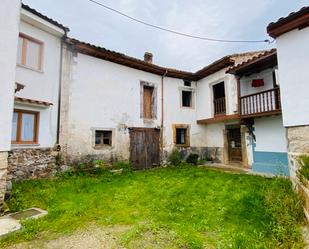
{"points": [[261, 103], [219, 106]]}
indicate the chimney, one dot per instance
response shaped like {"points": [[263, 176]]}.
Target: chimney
{"points": [[148, 57]]}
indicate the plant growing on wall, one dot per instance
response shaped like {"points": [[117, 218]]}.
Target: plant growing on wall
{"points": [[303, 172]]}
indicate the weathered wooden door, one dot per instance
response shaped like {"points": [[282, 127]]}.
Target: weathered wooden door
{"points": [[144, 148], [234, 148]]}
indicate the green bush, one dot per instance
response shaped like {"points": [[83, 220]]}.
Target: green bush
{"points": [[122, 165], [304, 166], [192, 159], [174, 158]]}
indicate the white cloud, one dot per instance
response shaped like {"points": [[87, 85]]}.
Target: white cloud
{"points": [[223, 19]]}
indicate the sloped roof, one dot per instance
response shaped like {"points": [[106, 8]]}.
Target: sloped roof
{"points": [[125, 60], [299, 19], [46, 18], [256, 63]]}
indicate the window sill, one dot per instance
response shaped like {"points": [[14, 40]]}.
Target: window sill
{"points": [[30, 68], [182, 145], [24, 145], [187, 107], [102, 147]]}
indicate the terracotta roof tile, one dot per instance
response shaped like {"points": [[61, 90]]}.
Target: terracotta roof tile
{"points": [[294, 20], [32, 101], [122, 59], [251, 61]]}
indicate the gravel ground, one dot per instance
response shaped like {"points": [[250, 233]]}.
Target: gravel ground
{"points": [[90, 238]]}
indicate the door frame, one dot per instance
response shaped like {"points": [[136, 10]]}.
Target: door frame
{"points": [[228, 142]]}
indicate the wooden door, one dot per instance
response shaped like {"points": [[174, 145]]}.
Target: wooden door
{"points": [[144, 148], [234, 145]]}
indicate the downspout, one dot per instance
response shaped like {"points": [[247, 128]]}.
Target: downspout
{"points": [[162, 113], [59, 91]]}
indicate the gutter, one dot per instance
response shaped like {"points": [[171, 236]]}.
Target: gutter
{"points": [[162, 112], [59, 91]]}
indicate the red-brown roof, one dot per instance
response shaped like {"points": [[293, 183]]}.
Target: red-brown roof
{"points": [[215, 67], [255, 64], [46, 18], [32, 101], [294, 20], [122, 59], [125, 60]]}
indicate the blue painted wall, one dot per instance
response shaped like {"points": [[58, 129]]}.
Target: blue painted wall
{"points": [[270, 162]]}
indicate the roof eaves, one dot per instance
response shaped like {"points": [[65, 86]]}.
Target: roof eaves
{"points": [[46, 18], [235, 69], [126, 60], [214, 67], [299, 19]]}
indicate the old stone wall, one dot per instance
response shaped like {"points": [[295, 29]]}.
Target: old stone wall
{"points": [[298, 144], [215, 153], [3, 174], [32, 163]]}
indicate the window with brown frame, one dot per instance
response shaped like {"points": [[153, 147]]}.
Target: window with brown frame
{"points": [[181, 135], [30, 52], [25, 127], [148, 102], [103, 138]]}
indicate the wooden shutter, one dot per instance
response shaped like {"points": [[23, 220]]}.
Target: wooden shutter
{"points": [[147, 102]]}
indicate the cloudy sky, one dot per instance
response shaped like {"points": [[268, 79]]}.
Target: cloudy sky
{"points": [[222, 19]]}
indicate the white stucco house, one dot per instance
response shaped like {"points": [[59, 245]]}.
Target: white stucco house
{"points": [[36, 102], [118, 107], [260, 111], [8, 49]]}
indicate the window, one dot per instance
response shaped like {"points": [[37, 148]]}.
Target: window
{"points": [[25, 127], [187, 83], [186, 97], [219, 99], [103, 138], [147, 102], [30, 52], [181, 135]]}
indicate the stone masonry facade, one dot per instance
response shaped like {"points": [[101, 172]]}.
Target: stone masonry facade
{"points": [[32, 163], [298, 144], [3, 174]]}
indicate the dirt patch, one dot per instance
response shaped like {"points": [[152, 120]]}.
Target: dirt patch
{"points": [[92, 237]]}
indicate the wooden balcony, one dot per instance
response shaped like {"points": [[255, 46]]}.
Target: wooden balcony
{"points": [[219, 106], [260, 104]]}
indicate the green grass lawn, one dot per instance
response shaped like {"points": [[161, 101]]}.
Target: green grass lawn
{"points": [[186, 207]]}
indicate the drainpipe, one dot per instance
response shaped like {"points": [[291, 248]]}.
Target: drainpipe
{"points": [[59, 91], [162, 112]]}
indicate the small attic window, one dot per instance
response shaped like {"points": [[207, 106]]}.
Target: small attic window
{"points": [[187, 83]]}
